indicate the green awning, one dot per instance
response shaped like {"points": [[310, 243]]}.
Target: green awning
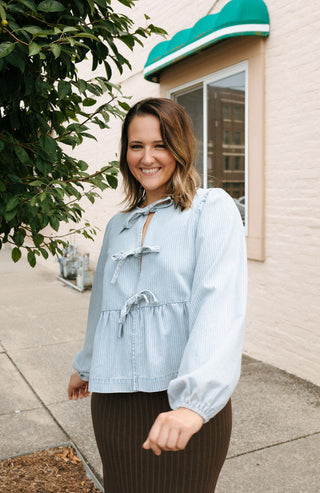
{"points": [[237, 18]]}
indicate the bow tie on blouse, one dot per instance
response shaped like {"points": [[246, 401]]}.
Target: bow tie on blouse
{"points": [[144, 211], [122, 257]]}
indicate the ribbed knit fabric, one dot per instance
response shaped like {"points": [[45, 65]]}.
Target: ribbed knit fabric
{"points": [[121, 424]]}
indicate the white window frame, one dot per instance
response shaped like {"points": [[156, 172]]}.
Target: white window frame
{"points": [[204, 81]]}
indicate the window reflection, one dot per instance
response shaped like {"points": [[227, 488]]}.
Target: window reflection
{"points": [[226, 131], [192, 101], [225, 142]]}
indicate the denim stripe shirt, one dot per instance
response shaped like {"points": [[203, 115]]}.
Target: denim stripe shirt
{"points": [[169, 315]]}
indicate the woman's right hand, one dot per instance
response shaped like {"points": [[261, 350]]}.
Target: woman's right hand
{"points": [[77, 388]]}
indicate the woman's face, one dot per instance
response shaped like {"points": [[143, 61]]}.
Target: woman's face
{"points": [[148, 159]]}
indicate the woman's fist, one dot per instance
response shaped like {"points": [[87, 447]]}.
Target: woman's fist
{"points": [[172, 430]]}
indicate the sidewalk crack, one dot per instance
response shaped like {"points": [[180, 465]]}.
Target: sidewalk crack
{"points": [[38, 397], [259, 449]]}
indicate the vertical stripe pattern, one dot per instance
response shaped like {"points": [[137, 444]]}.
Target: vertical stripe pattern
{"points": [[177, 322], [121, 424]]}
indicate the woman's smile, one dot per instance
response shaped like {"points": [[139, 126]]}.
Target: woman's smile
{"points": [[150, 171]]}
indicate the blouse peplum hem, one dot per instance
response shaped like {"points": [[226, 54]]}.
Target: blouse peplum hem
{"points": [[127, 385]]}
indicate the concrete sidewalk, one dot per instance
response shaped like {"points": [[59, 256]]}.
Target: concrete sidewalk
{"points": [[275, 444]]}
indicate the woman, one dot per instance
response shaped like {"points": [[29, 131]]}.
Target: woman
{"points": [[163, 347]]}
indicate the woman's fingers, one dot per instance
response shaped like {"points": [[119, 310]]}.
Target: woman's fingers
{"points": [[172, 441], [77, 388], [148, 445], [172, 430]]}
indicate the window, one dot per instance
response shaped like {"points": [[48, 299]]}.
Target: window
{"points": [[226, 112], [217, 108], [226, 139], [238, 113], [237, 138], [235, 67]]}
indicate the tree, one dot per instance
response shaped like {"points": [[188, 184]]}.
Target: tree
{"points": [[45, 106]]}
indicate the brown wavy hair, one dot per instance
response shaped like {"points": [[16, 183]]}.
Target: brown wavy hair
{"points": [[178, 138]]}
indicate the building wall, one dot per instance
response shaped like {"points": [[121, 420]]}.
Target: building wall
{"points": [[284, 312], [283, 308]]}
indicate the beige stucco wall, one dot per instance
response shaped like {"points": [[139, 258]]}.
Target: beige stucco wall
{"points": [[283, 308]]}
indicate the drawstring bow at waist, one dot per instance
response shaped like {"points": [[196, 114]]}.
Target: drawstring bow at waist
{"points": [[146, 296]]}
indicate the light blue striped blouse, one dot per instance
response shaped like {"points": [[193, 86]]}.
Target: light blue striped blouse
{"points": [[170, 314]]}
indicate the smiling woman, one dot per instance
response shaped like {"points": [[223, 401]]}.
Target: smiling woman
{"points": [[157, 136], [163, 347]]}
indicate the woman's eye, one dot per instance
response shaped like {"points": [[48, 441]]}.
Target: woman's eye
{"points": [[160, 146], [135, 146]]}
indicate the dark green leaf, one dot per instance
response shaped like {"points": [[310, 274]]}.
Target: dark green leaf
{"points": [[37, 31], [3, 13], [54, 223], [31, 259], [12, 204], [47, 143], [16, 254], [69, 29], [91, 3], [102, 3], [82, 86], [112, 180], [124, 105], [51, 6], [10, 215], [52, 247], [13, 178], [6, 48], [37, 239], [56, 50], [16, 60], [86, 35], [91, 197], [127, 3], [64, 89], [30, 4], [34, 48], [22, 154], [89, 102], [82, 165], [44, 253], [19, 237], [128, 40]]}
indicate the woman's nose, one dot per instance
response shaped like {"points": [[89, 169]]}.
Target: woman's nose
{"points": [[147, 156]]}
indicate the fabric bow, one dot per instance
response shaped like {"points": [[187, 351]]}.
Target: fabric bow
{"points": [[145, 295], [139, 211], [122, 257]]}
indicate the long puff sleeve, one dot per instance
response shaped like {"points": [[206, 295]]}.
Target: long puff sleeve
{"points": [[82, 360], [211, 362]]}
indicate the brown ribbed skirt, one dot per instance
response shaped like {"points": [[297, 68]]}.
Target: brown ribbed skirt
{"points": [[121, 424]]}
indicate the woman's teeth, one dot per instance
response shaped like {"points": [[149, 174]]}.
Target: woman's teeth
{"points": [[149, 171]]}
